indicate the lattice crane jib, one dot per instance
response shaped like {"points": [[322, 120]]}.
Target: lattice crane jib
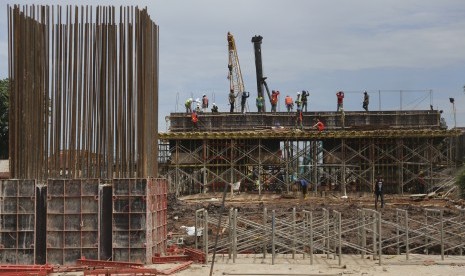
{"points": [[236, 83]]}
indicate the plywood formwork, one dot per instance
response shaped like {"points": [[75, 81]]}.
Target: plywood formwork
{"points": [[260, 157]]}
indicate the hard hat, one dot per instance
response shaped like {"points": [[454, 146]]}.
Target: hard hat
{"points": [[298, 93], [214, 103], [190, 99], [204, 95]]}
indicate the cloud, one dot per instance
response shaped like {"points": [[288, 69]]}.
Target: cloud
{"points": [[319, 45]]}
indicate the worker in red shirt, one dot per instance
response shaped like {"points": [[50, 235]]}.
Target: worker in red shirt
{"points": [[274, 100], [204, 103], [319, 125], [340, 100], [194, 119]]}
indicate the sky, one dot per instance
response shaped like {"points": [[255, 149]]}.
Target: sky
{"points": [[408, 54]]}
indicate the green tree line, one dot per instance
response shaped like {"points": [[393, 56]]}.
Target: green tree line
{"points": [[4, 105]]}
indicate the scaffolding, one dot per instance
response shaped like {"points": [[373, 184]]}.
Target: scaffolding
{"points": [[305, 233], [411, 160]]}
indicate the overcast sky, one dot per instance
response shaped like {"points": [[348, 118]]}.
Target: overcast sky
{"points": [[320, 46]]}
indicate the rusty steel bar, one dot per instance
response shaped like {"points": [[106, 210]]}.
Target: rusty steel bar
{"points": [[84, 92]]}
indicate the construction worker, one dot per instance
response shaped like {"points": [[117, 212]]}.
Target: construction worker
{"points": [[188, 105], [319, 125], [274, 100], [289, 103], [303, 185], [195, 120], [232, 100], [197, 108], [304, 99], [214, 108], [260, 102], [366, 100], [379, 191], [244, 97], [204, 103], [340, 100], [298, 115]]}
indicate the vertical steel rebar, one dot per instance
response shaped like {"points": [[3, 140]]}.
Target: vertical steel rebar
{"points": [[83, 92]]}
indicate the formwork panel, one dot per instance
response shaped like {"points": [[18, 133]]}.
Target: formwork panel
{"points": [[90, 254], [72, 220], [89, 239], [159, 214], [89, 222], [135, 223], [55, 205], [72, 205], [72, 239], [17, 221], [55, 222], [89, 204], [54, 239]]}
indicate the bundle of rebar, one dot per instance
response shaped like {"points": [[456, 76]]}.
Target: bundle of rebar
{"points": [[84, 92]]}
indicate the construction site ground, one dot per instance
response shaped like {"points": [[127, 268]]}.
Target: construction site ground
{"points": [[181, 212]]}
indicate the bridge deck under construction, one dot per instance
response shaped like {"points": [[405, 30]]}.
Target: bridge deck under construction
{"points": [[412, 150]]}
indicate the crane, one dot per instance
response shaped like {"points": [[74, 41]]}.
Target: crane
{"points": [[236, 83]]}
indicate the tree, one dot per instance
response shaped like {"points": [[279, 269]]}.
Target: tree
{"points": [[4, 107]]}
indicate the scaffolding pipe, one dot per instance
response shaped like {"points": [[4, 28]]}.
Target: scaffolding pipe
{"points": [[273, 249]]}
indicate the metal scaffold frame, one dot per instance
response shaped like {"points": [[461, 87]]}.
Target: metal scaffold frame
{"points": [[417, 164], [327, 232]]}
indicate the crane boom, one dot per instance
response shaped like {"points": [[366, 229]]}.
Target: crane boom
{"points": [[261, 80], [236, 83]]}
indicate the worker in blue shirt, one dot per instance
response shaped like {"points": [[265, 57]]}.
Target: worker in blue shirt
{"points": [[304, 185], [379, 191]]}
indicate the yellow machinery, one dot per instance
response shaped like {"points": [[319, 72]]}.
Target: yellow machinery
{"points": [[236, 83]]}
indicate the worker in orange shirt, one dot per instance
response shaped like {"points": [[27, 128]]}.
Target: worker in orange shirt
{"points": [[194, 119], [319, 125], [289, 103]]}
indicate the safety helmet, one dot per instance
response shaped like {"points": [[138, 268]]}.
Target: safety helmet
{"points": [[204, 95], [190, 99], [214, 104], [298, 93]]}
